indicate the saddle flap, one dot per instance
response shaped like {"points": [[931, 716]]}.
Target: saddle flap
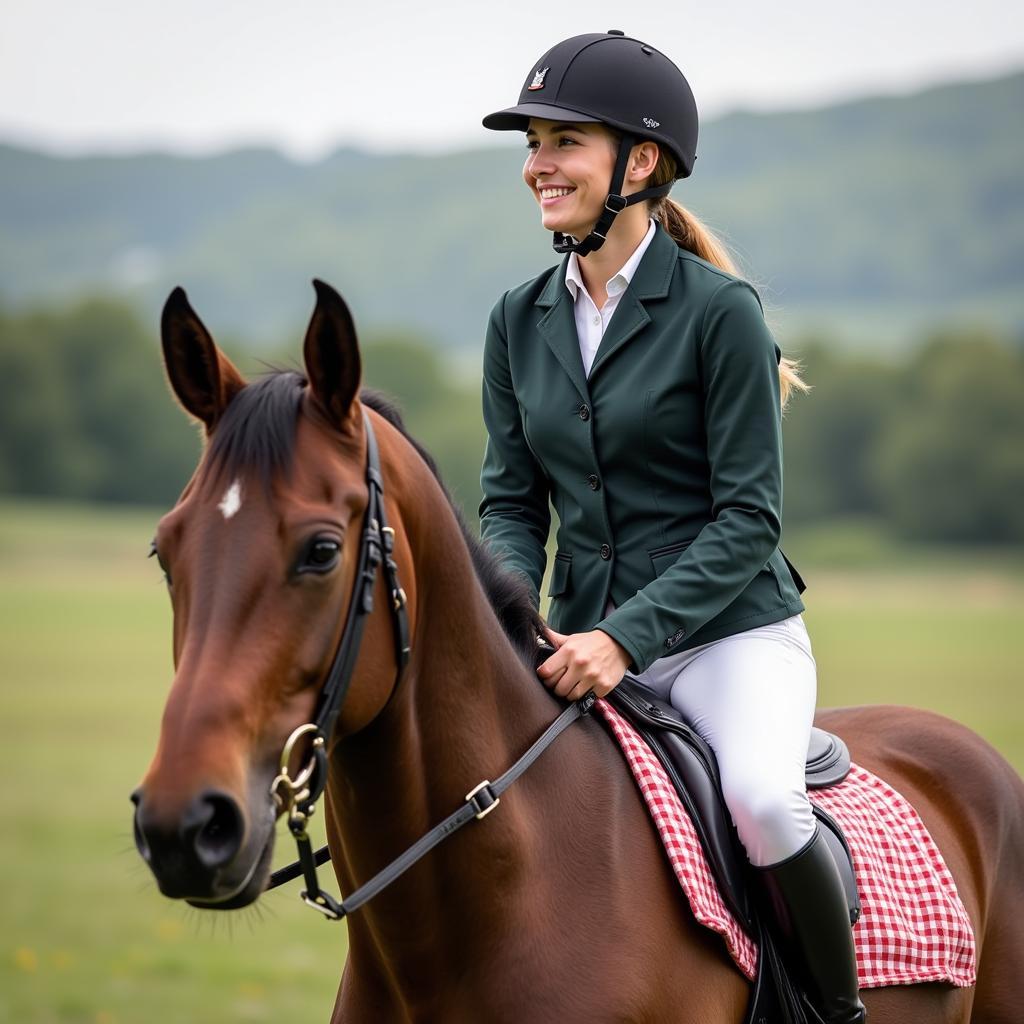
{"points": [[691, 765]]}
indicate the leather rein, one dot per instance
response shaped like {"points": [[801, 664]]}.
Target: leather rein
{"points": [[298, 796]]}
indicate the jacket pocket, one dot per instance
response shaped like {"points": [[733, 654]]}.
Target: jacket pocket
{"points": [[797, 578], [663, 557], [561, 571], [783, 588]]}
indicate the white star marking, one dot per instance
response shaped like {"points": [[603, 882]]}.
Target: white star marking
{"points": [[232, 500]]}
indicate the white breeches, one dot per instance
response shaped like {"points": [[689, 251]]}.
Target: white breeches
{"points": [[751, 697]]}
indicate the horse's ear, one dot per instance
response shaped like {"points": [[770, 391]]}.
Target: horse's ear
{"points": [[203, 378], [332, 354]]}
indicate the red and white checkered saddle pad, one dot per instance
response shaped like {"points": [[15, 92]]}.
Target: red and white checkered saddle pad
{"points": [[913, 925]]}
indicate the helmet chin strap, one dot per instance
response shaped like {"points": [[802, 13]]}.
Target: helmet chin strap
{"points": [[614, 204]]}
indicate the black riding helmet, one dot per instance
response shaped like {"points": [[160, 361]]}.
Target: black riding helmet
{"points": [[619, 81]]}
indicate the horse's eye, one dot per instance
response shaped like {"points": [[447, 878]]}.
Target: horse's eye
{"points": [[321, 556]]}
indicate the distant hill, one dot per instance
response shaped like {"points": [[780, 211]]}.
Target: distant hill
{"points": [[873, 219]]}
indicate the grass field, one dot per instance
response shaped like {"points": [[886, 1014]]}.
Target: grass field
{"points": [[84, 669]]}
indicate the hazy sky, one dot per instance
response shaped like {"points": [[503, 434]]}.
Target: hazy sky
{"points": [[309, 75]]}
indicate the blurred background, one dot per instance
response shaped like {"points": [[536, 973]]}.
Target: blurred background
{"points": [[864, 165]]}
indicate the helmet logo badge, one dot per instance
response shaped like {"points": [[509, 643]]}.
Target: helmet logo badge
{"points": [[538, 80], [650, 122]]}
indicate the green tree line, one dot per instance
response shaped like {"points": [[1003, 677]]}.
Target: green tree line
{"points": [[932, 445]]}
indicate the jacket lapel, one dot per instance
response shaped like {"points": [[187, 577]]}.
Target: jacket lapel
{"points": [[558, 328], [650, 282]]}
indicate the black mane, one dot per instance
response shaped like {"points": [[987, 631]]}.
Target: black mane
{"points": [[508, 594], [257, 434]]}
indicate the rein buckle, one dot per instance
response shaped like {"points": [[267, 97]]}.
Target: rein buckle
{"points": [[489, 801]]}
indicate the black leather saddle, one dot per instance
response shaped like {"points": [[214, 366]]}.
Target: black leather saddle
{"points": [[691, 765]]}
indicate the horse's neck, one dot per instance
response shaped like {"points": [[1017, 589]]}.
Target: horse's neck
{"points": [[465, 710]]}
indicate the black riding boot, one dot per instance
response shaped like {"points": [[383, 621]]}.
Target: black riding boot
{"points": [[810, 904]]}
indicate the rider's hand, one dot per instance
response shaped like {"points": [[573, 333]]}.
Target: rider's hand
{"points": [[584, 661]]}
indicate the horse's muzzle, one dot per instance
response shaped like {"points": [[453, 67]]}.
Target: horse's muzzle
{"points": [[194, 854]]}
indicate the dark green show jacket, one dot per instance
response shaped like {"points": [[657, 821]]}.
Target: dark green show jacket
{"points": [[664, 467]]}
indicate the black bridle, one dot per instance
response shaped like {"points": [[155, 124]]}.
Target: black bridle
{"points": [[298, 796]]}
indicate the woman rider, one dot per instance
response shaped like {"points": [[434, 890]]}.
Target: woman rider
{"points": [[637, 387]]}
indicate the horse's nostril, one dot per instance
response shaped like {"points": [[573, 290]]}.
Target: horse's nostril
{"points": [[215, 829]]}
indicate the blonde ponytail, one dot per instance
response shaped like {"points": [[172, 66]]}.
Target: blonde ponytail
{"points": [[692, 234]]}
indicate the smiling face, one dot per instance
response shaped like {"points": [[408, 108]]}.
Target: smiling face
{"points": [[569, 169]]}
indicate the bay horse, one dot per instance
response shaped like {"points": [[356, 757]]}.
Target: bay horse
{"points": [[558, 907]]}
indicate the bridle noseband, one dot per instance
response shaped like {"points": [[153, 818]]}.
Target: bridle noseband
{"points": [[298, 796]]}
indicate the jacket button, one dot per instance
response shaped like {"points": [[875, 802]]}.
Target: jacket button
{"points": [[584, 412], [594, 482], [606, 551]]}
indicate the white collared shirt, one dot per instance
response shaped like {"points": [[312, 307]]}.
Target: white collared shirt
{"points": [[591, 322]]}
